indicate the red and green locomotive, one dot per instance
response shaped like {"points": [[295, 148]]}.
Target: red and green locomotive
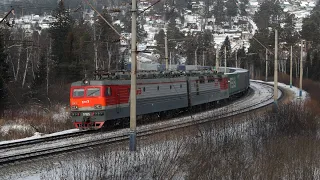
{"points": [[106, 98]]}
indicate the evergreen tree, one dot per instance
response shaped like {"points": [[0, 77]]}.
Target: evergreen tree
{"points": [[190, 46], [232, 8], [206, 46], [160, 41], [257, 51], [83, 50], [243, 6], [62, 44], [173, 34], [41, 73], [226, 44], [218, 12], [109, 39], [311, 26], [314, 71], [311, 33], [4, 76], [126, 19], [160, 37], [263, 35], [241, 54], [269, 14], [141, 33], [182, 3], [290, 36], [39, 82]]}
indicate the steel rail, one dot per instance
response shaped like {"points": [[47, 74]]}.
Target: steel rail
{"points": [[61, 136], [124, 135], [43, 139], [9, 145]]}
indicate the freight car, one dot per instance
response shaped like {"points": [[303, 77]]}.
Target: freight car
{"points": [[238, 80], [106, 98]]}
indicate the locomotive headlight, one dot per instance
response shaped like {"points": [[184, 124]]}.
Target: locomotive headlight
{"points": [[98, 106], [74, 107], [85, 81]]}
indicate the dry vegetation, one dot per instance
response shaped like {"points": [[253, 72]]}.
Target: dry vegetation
{"points": [[280, 145], [24, 123], [2, 121], [275, 145]]}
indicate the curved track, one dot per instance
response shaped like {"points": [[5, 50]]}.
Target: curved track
{"points": [[262, 96], [43, 139]]}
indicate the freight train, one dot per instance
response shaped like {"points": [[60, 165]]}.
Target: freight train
{"points": [[106, 98]]}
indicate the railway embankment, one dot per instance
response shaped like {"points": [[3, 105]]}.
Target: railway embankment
{"points": [[256, 145], [266, 146]]}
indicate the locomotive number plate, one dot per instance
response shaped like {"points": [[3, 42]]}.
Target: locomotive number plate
{"points": [[86, 114]]}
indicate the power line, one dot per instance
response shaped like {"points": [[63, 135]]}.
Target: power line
{"points": [[5, 17], [262, 45], [149, 7], [121, 37]]}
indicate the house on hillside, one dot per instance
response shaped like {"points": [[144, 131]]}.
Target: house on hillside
{"points": [[246, 35]]}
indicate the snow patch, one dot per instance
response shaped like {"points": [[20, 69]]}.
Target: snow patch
{"points": [[38, 135], [18, 127], [62, 115], [293, 89]]}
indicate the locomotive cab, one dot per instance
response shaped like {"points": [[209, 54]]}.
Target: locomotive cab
{"points": [[88, 104]]}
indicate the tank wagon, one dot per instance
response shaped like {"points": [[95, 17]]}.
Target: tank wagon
{"points": [[106, 98]]}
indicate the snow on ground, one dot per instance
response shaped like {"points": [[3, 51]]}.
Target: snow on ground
{"points": [[6, 128], [260, 93], [37, 135], [219, 38], [62, 115], [294, 90], [254, 26]]}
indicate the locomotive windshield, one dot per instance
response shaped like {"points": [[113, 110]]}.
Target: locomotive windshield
{"points": [[78, 93], [93, 92]]}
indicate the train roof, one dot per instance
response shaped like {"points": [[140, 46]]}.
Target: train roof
{"points": [[232, 70], [124, 77]]}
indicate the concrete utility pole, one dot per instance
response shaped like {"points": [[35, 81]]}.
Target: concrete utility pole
{"points": [[133, 92], [217, 59], [170, 61], [95, 45], [166, 47], [165, 39], [266, 65], [225, 59], [26, 68], [6, 16], [48, 56], [290, 66], [301, 68], [275, 89], [236, 58], [202, 58], [195, 56]]}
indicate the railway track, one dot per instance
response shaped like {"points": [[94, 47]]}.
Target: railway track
{"points": [[238, 107], [43, 139]]}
